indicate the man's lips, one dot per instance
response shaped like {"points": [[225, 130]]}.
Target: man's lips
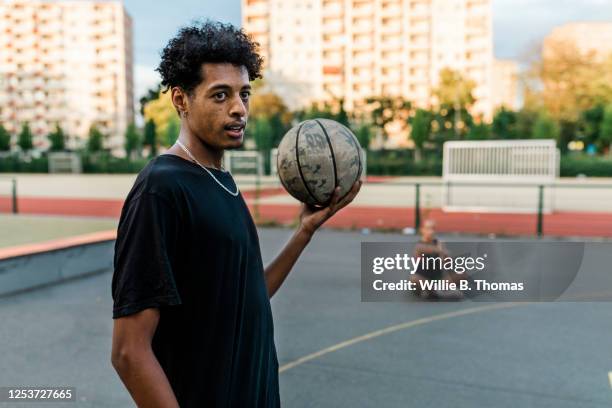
{"points": [[235, 130]]}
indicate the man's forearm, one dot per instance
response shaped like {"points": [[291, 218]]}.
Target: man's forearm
{"points": [[280, 267], [145, 380]]}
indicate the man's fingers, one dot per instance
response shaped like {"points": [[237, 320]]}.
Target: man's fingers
{"points": [[346, 200], [335, 198]]}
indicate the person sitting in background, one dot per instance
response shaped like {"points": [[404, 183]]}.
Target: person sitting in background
{"points": [[429, 247]]}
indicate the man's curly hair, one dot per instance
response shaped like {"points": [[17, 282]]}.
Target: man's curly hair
{"points": [[208, 41]]}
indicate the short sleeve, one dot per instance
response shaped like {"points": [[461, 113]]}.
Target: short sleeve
{"points": [[143, 276]]}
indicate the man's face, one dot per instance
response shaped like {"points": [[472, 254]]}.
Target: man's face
{"points": [[219, 106], [428, 231]]}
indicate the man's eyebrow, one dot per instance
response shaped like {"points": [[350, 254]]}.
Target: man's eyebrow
{"points": [[221, 87]]}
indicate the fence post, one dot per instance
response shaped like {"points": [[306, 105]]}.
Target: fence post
{"points": [[540, 210], [417, 208], [14, 196]]}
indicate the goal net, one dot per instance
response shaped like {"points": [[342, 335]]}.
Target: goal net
{"points": [[499, 175], [244, 162], [64, 162]]}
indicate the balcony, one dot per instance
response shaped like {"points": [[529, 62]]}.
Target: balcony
{"points": [[363, 58], [391, 11], [363, 45], [258, 26], [391, 44], [333, 10], [332, 26], [363, 11], [391, 57], [259, 8]]}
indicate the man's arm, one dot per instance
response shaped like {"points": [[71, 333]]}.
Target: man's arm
{"points": [[310, 220], [134, 361]]}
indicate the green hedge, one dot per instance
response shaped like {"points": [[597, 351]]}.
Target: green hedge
{"points": [[105, 163], [590, 166], [13, 164], [92, 163], [380, 162], [402, 163]]}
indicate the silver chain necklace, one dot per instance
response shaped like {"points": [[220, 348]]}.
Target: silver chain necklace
{"points": [[235, 194]]}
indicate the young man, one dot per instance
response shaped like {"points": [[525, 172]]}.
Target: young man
{"points": [[192, 318], [430, 247]]}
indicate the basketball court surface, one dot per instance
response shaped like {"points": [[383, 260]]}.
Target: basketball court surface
{"points": [[334, 350]]}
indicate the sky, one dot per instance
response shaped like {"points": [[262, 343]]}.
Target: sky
{"points": [[518, 25]]}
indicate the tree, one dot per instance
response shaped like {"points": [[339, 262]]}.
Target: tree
{"points": [[546, 128], [315, 111], [24, 141], [364, 135], [172, 132], [151, 95], [57, 139], [568, 129], [266, 106], [162, 112], [5, 139], [132, 140], [385, 110], [572, 81], [505, 124], [449, 124], [150, 138], [606, 128], [95, 141], [342, 116], [262, 134], [525, 121], [420, 131], [454, 90], [589, 126], [455, 97], [479, 131]]}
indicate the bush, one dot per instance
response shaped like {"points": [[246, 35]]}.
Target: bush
{"points": [[401, 163], [104, 162], [14, 164], [574, 165]]}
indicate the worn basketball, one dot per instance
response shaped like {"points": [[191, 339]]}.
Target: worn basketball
{"points": [[315, 157]]}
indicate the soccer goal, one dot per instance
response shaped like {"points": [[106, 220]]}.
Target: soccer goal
{"points": [[64, 162], [244, 162], [499, 175]]}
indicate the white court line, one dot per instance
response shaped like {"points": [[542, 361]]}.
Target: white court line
{"points": [[397, 327], [610, 378]]}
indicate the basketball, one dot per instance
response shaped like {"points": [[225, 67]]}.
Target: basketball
{"points": [[315, 157]]}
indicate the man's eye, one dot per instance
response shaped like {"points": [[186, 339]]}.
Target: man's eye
{"points": [[220, 96], [245, 95]]}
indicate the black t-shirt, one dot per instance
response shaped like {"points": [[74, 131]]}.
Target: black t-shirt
{"points": [[432, 272], [186, 246]]}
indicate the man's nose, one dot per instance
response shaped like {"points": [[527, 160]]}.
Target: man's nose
{"points": [[238, 108]]}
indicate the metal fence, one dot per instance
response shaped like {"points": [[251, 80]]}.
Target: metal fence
{"points": [[560, 199], [570, 201], [10, 184]]}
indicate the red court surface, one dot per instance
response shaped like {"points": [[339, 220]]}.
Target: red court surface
{"points": [[562, 224]]}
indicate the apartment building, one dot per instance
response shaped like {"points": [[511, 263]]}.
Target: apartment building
{"points": [[505, 84], [66, 62], [354, 49]]}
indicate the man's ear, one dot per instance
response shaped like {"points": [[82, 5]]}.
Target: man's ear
{"points": [[180, 100]]}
